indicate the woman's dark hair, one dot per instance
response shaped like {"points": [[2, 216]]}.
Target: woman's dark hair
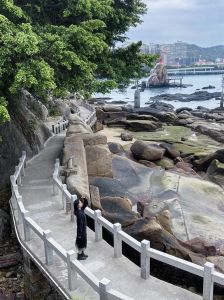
{"points": [[76, 202]]}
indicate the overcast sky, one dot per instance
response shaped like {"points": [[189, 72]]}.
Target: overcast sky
{"points": [[194, 21]]}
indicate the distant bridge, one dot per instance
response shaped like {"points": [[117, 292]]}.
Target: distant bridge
{"points": [[195, 71]]}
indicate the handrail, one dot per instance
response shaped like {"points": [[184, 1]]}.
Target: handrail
{"points": [[50, 245], [60, 126], [207, 272]]}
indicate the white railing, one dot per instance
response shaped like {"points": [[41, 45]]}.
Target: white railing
{"points": [[60, 126], [51, 246], [91, 119], [207, 272]]}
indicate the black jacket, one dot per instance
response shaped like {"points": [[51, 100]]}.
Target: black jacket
{"points": [[81, 238]]}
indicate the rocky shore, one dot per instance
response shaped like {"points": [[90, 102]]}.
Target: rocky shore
{"points": [[162, 161]]}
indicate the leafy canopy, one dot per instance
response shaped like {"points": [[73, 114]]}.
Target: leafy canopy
{"points": [[56, 46]]}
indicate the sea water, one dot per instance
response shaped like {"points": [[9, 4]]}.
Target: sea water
{"points": [[196, 82]]}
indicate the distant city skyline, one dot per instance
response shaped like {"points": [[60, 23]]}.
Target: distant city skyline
{"points": [[197, 22]]}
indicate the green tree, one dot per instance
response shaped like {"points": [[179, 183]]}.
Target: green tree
{"points": [[52, 47]]}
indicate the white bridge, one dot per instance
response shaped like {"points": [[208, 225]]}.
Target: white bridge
{"points": [[45, 227], [194, 71]]}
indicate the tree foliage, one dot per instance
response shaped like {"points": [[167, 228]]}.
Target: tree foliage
{"points": [[55, 46]]}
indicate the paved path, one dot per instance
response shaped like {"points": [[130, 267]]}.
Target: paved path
{"points": [[46, 210]]}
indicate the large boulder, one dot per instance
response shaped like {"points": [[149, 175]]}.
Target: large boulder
{"points": [[111, 108], [118, 210], [158, 76], [203, 163], [126, 136], [146, 151], [99, 161], [215, 172], [171, 152], [163, 116], [115, 148], [141, 117], [142, 125], [165, 163], [94, 139], [215, 132]]}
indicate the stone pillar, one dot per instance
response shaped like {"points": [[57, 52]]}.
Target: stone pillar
{"points": [[137, 99]]}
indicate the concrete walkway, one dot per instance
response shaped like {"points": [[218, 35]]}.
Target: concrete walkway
{"points": [[46, 210]]}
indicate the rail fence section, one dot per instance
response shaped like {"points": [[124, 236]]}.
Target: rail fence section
{"points": [[207, 272], [51, 246], [89, 120]]}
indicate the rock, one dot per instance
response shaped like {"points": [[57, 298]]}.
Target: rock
{"points": [[98, 126], [112, 108], [99, 161], [100, 114], [208, 87], [168, 117], [183, 116], [158, 76], [203, 163], [164, 219], [127, 108], [179, 110], [95, 197], [162, 106], [141, 117], [142, 125], [146, 151], [200, 246], [165, 163], [184, 121], [147, 163], [120, 122], [94, 139], [196, 96], [10, 260], [5, 226], [126, 136], [115, 148], [118, 210], [171, 152], [218, 261], [215, 172], [110, 187], [214, 132]]}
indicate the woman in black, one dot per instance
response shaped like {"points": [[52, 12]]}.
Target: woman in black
{"points": [[81, 238]]}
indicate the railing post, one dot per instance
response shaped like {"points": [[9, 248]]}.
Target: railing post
{"points": [[47, 248], [55, 192], [72, 274], [117, 241], [24, 164], [22, 169], [19, 176], [104, 286], [145, 259], [73, 198], [20, 218], [98, 226], [63, 197], [208, 284], [26, 228], [14, 188]]}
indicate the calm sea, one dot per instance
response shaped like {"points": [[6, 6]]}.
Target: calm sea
{"points": [[198, 82]]}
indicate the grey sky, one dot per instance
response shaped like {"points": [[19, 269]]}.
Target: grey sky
{"points": [[194, 21]]}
